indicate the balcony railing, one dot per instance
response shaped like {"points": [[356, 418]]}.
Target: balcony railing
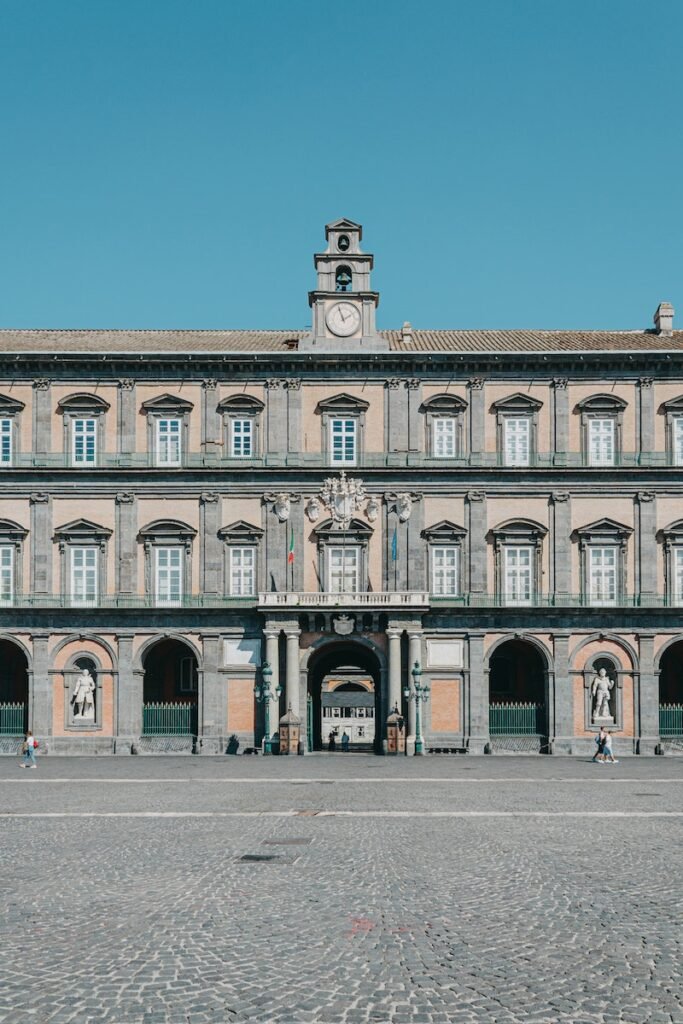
{"points": [[379, 599], [319, 460]]}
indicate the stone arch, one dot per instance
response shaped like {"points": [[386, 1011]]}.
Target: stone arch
{"points": [[601, 643], [108, 664], [520, 670], [15, 685], [11, 638], [668, 668], [592, 653], [143, 650], [68, 658], [529, 638]]}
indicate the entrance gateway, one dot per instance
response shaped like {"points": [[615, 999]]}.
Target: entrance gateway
{"points": [[344, 697]]}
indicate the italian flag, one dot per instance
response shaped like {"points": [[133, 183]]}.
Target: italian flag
{"points": [[290, 553]]}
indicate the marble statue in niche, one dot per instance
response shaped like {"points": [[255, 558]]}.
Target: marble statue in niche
{"points": [[83, 700], [601, 693]]}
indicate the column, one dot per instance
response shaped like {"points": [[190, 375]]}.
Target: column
{"points": [[41, 546], [561, 699], [646, 408], [42, 418], [210, 417], [293, 670], [128, 697], [126, 416], [414, 654], [210, 543], [273, 659], [213, 697], [125, 543], [561, 420], [478, 551], [646, 698], [561, 550], [477, 697], [647, 543], [40, 711], [477, 416], [394, 638]]}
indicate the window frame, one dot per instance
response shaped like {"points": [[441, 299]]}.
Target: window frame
{"points": [[673, 411], [519, 533], [83, 601], [445, 407], [329, 535], [12, 537], [236, 408], [446, 534], [167, 533], [601, 407], [241, 535], [167, 407], [342, 407], [10, 411], [671, 539], [603, 533], [87, 408], [516, 407], [333, 574], [168, 550], [82, 533], [168, 462]]}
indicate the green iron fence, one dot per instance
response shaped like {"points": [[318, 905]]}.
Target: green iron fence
{"points": [[169, 719], [12, 719], [517, 719], [671, 719]]}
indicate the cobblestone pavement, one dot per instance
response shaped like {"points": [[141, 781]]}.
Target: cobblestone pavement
{"points": [[341, 889]]}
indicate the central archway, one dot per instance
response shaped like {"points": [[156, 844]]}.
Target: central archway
{"points": [[170, 689], [344, 696], [518, 683]]}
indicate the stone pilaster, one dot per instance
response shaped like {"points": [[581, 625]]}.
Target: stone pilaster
{"points": [[646, 698], [476, 531], [126, 418], [40, 716], [42, 416], [292, 390], [561, 698], [41, 544], [560, 418], [648, 549], [477, 415], [128, 697], [211, 420], [293, 670], [396, 416], [561, 545], [415, 548], [213, 696], [476, 695], [646, 415], [276, 418], [126, 543], [416, 438], [211, 565]]}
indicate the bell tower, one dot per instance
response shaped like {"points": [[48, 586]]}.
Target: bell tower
{"points": [[343, 304]]}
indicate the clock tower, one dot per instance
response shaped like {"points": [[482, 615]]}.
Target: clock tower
{"points": [[343, 306]]}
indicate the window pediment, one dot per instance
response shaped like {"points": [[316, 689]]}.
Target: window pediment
{"points": [[518, 402], [241, 532], [10, 406], [444, 404], [167, 530], [602, 403], [444, 532], [519, 531], [673, 405], [11, 531], [355, 531], [673, 533], [167, 404], [241, 403], [343, 403], [608, 530], [82, 530], [82, 402]]}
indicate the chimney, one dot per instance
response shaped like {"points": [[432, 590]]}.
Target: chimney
{"points": [[664, 319], [407, 333]]}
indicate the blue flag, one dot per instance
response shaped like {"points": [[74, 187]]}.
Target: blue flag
{"points": [[394, 546]]}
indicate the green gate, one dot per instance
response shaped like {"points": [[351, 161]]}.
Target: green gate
{"points": [[517, 719], [671, 719], [169, 719], [309, 724], [12, 719]]}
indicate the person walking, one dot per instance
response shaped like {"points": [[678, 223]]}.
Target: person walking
{"points": [[29, 750], [607, 750], [345, 740], [599, 754]]}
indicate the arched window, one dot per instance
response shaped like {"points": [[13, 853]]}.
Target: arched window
{"points": [[343, 279]]}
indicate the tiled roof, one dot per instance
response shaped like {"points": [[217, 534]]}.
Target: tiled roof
{"points": [[213, 342]]}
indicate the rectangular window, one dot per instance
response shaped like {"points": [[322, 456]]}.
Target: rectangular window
{"points": [[678, 575], [445, 571], [344, 570], [343, 441], [168, 589], [6, 442], [517, 431], [678, 440], [602, 575], [6, 574], [443, 438], [168, 442], [84, 442], [601, 442], [84, 576], [242, 438], [517, 575], [242, 572]]}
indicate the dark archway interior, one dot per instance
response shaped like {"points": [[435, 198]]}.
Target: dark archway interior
{"points": [[343, 660], [671, 675], [14, 677], [517, 674], [170, 674]]}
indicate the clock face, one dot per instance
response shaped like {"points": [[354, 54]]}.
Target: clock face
{"points": [[343, 319]]}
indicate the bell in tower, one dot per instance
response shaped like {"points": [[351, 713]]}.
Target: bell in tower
{"points": [[348, 323]]}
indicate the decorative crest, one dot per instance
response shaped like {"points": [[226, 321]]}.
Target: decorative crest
{"points": [[342, 497]]}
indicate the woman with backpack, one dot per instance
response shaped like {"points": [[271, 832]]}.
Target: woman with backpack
{"points": [[29, 750]]}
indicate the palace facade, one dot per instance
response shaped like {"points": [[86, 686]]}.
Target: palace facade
{"points": [[462, 526]]}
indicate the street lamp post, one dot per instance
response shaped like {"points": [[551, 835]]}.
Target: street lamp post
{"points": [[264, 695], [419, 694]]}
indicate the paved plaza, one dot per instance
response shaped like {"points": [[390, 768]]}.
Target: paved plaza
{"points": [[341, 889]]}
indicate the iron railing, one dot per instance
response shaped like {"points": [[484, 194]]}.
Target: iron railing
{"points": [[671, 719], [169, 719], [517, 719], [12, 718]]}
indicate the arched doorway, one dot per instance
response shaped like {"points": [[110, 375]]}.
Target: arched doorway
{"points": [[344, 697], [671, 691], [170, 689], [13, 690], [517, 690]]}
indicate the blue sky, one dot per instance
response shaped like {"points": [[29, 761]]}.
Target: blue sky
{"points": [[172, 163]]}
